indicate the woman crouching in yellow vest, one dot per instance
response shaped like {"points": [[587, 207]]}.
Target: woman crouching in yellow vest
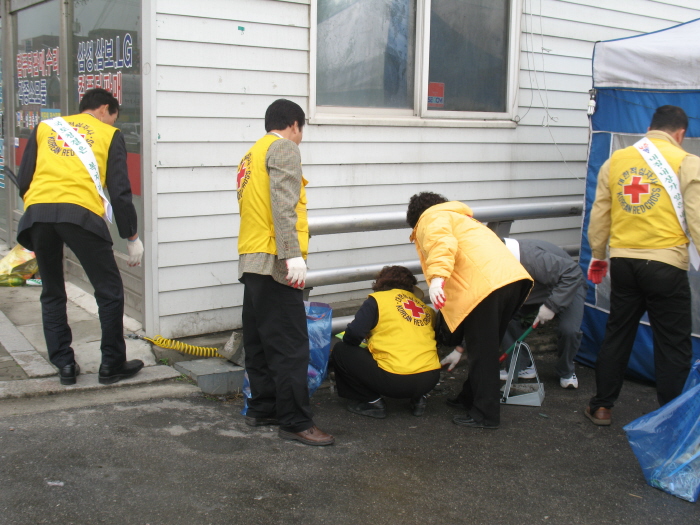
{"points": [[400, 360]]}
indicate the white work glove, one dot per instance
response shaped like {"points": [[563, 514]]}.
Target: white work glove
{"points": [[437, 294], [135, 249], [544, 315], [452, 359], [296, 272]]}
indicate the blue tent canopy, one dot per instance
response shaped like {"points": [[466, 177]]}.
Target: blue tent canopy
{"points": [[632, 77]]}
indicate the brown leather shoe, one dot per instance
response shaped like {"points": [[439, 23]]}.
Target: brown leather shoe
{"points": [[601, 417], [312, 436]]}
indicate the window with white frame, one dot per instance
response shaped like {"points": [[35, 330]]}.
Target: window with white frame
{"points": [[430, 58]]}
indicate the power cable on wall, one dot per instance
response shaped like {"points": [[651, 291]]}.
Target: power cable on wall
{"points": [[532, 72]]}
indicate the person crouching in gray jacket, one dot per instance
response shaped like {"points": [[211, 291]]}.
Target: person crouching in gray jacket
{"points": [[559, 290]]}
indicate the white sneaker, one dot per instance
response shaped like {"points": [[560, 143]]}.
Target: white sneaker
{"points": [[571, 382], [504, 374], [528, 373]]}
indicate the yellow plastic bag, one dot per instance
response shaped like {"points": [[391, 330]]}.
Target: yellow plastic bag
{"points": [[20, 262]]}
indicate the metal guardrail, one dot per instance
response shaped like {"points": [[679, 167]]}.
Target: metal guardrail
{"points": [[498, 218], [358, 222]]}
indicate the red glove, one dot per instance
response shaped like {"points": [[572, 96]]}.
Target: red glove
{"points": [[597, 271]]}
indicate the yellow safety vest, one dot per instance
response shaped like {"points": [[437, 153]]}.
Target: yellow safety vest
{"points": [[642, 214], [403, 342], [257, 229], [60, 175]]}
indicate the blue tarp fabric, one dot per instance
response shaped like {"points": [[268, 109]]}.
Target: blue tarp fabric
{"points": [[625, 105]]}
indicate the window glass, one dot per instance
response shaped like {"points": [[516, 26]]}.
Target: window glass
{"points": [[468, 55], [366, 53], [106, 53], [3, 189], [36, 71]]}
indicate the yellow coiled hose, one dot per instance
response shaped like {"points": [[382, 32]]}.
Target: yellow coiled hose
{"points": [[172, 344]]}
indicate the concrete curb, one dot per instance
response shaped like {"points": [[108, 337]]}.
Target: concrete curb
{"points": [[22, 351], [86, 382]]}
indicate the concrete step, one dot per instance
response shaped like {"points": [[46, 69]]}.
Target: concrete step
{"points": [[213, 375]]}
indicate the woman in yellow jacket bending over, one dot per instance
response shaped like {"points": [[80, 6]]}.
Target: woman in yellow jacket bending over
{"points": [[478, 284]]}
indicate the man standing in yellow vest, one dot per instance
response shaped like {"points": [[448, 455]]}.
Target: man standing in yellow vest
{"points": [[646, 209], [273, 242], [66, 164]]}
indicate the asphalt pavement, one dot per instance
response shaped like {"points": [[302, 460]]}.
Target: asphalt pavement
{"points": [[156, 451], [166, 454]]}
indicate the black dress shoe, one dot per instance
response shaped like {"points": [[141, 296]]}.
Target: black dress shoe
{"points": [[260, 421], [468, 421], [418, 405], [69, 373], [111, 374], [376, 409]]}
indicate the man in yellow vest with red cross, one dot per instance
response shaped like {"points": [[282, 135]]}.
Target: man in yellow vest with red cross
{"points": [[273, 241], [67, 164], [646, 209]]}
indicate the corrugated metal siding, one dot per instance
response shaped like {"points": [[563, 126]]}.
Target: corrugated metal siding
{"points": [[214, 82]]}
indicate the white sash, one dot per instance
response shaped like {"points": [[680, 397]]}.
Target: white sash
{"points": [[84, 152], [658, 163]]}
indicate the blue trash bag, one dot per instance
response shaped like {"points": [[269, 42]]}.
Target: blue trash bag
{"points": [[693, 377], [318, 323], [667, 443], [319, 318]]}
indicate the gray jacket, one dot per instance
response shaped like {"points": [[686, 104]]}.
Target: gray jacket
{"points": [[557, 276]]}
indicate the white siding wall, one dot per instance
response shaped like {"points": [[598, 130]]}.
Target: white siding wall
{"points": [[214, 82]]}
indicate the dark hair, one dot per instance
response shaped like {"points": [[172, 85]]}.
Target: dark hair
{"points": [[283, 113], [419, 203], [96, 97], [669, 118], [392, 277]]}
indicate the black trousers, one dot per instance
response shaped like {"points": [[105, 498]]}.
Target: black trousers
{"points": [[662, 290], [96, 256], [484, 328], [358, 377], [276, 343]]}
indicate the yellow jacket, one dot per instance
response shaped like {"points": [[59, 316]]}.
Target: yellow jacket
{"points": [[403, 342], [60, 175], [642, 213], [255, 200], [601, 228], [471, 258]]}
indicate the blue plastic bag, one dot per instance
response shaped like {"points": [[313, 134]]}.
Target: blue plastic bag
{"points": [[667, 442], [693, 377], [319, 318]]}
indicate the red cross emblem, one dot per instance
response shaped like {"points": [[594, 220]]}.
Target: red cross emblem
{"points": [[241, 174], [61, 142], [635, 189], [416, 311]]}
